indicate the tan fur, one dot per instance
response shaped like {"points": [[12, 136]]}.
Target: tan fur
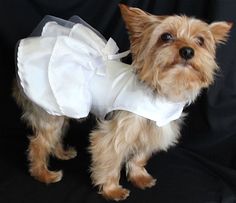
{"points": [[128, 139], [46, 140]]}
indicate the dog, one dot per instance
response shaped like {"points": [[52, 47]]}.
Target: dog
{"points": [[174, 56]]}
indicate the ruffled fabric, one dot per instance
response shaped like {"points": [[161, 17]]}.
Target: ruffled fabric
{"points": [[71, 71], [56, 67]]}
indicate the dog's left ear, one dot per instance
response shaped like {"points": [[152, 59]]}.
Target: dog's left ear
{"points": [[220, 31]]}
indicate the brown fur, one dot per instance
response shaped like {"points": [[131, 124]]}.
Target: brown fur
{"points": [[128, 139]]}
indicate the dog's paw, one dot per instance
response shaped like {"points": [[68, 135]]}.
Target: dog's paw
{"points": [[67, 154], [47, 176], [117, 193], [143, 181]]}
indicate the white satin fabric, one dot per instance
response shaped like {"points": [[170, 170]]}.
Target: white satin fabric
{"points": [[72, 71]]}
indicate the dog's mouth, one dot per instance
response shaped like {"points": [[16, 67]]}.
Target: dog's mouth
{"points": [[182, 63], [186, 65]]}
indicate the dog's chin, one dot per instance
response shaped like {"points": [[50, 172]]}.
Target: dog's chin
{"points": [[181, 83], [188, 72]]}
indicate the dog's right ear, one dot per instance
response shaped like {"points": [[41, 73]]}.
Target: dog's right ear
{"points": [[137, 20]]}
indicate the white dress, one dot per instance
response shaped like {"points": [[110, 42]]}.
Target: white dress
{"points": [[73, 71]]}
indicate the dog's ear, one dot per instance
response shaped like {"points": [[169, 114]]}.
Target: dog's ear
{"points": [[220, 31], [136, 20]]}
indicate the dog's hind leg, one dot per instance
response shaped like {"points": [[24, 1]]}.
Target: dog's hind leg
{"points": [[59, 151], [47, 135], [46, 140]]}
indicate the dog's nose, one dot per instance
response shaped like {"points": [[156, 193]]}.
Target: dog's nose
{"points": [[186, 53]]}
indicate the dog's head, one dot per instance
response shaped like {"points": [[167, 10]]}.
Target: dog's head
{"points": [[174, 55]]}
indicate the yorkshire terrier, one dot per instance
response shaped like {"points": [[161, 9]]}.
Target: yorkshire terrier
{"points": [[175, 57]]}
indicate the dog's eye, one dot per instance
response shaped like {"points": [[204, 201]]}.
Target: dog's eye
{"points": [[166, 37], [200, 41]]}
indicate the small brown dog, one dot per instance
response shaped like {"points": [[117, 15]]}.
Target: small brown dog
{"points": [[173, 55]]}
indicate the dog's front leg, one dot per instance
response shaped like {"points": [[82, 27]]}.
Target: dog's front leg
{"points": [[111, 146], [137, 173]]}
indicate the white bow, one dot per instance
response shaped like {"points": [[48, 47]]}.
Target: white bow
{"points": [[111, 49]]}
